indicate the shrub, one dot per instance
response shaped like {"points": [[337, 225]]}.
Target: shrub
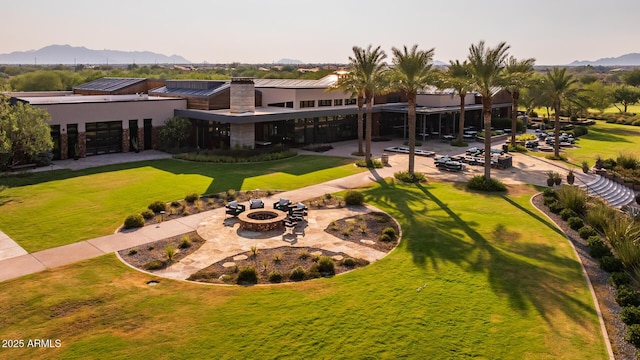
{"points": [[326, 265], [620, 278], [303, 255], [354, 198], [556, 207], [404, 176], [185, 242], [627, 161], [372, 164], [627, 296], [275, 276], [385, 238], [459, 143], [133, 221], [575, 222], [175, 204], [586, 232], [390, 231], [297, 274], [585, 167], [147, 214], [231, 195], [133, 251], [599, 215], [633, 335], [597, 247], [566, 213], [348, 262], [154, 265], [611, 264], [191, 198], [479, 183], [572, 197], [630, 315], [170, 253], [549, 192], [157, 206], [248, 275], [547, 200]]}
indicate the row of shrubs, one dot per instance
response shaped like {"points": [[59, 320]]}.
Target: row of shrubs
{"points": [[238, 155], [138, 220], [480, 183], [570, 210], [324, 266], [618, 118]]}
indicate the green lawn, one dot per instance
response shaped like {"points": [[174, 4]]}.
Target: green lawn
{"points": [[607, 141], [476, 276], [50, 209]]}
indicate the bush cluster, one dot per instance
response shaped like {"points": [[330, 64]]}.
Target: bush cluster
{"points": [[620, 278], [248, 275], [480, 183], [566, 213], [275, 276], [147, 214], [297, 274], [372, 164], [157, 206], [133, 221], [627, 296], [405, 176], [235, 156], [190, 198], [556, 207], [154, 265], [611, 264], [326, 265], [630, 315], [597, 247], [587, 232], [575, 222], [354, 198]]}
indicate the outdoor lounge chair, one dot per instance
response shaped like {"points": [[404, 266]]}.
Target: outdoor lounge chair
{"points": [[282, 204], [256, 204], [235, 209]]}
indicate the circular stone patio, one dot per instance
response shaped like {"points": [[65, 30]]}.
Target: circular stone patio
{"points": [[225, 238]]}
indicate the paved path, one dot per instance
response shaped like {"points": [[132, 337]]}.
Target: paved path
{"points": [[16, 262]]}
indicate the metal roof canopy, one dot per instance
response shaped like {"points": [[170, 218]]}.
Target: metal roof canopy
{"points": [[109, 84]]}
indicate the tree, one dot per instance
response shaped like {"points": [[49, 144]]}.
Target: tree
{"points": [[518, 74], [458, 78], [411, 73], [600, 97], [176, 129], [370, 71], [625, 96], [352, 84], [24, 133], [558, 87], [486, 67], [632, 78]]}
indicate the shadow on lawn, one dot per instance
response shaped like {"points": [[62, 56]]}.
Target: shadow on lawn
{"points": [[530, 275]]}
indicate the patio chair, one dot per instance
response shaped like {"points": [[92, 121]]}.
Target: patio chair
{"points": [[282, 204], [234, 209], [256, 204]]}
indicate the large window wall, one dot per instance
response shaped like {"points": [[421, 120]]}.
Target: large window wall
{"points": [[316, 130], [103, 137]]}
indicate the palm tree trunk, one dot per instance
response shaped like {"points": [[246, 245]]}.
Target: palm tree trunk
{"points": [[514, 116], [556, 130], [360, 123], [486, 110], [367, 152], [412, 132], [461, 119]]}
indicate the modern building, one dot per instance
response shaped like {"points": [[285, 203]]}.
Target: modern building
{"points": [[119, 114]]}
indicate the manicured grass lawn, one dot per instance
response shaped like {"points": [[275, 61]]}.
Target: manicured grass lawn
{"points": [[482, 276], [607, 141], [50, 209]]}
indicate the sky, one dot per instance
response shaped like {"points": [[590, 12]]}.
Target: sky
{"points": [[554, 32]]}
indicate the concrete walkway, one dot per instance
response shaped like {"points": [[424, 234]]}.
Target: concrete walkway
{"points": [[16, 262]]}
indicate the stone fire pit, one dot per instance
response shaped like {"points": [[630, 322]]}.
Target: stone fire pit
{"points": [[259, 220]]}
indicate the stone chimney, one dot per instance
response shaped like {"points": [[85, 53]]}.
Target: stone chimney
{"points": [[243, 96]]}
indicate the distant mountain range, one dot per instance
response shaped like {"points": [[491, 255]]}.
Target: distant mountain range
{"points": [[66, 54], [632, 59], [286, 61]]}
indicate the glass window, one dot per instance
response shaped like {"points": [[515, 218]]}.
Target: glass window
{"points": [[307, 103], [337, 102], [324, 102]]}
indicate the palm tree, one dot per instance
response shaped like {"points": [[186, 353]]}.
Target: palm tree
{"points": [[459, 79], [411, 73], [558, 86], [352, 85], [486, 66], [518, 73], [370, 71]]}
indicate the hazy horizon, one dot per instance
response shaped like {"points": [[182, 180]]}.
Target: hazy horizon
{"points": [[253, 31]]}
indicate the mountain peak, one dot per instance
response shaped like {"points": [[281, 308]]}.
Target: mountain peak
{"points": [[631, 59], [67, 54]]}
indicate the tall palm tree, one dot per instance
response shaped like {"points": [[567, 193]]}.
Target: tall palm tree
{"points": [[486, 66], [352, 85], [370, 71], [558, 87], [518, 73], [459, 79], [410, 74]]}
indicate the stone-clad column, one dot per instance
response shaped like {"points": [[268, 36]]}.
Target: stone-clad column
{"points": [[125, 140], [64, 146]]}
